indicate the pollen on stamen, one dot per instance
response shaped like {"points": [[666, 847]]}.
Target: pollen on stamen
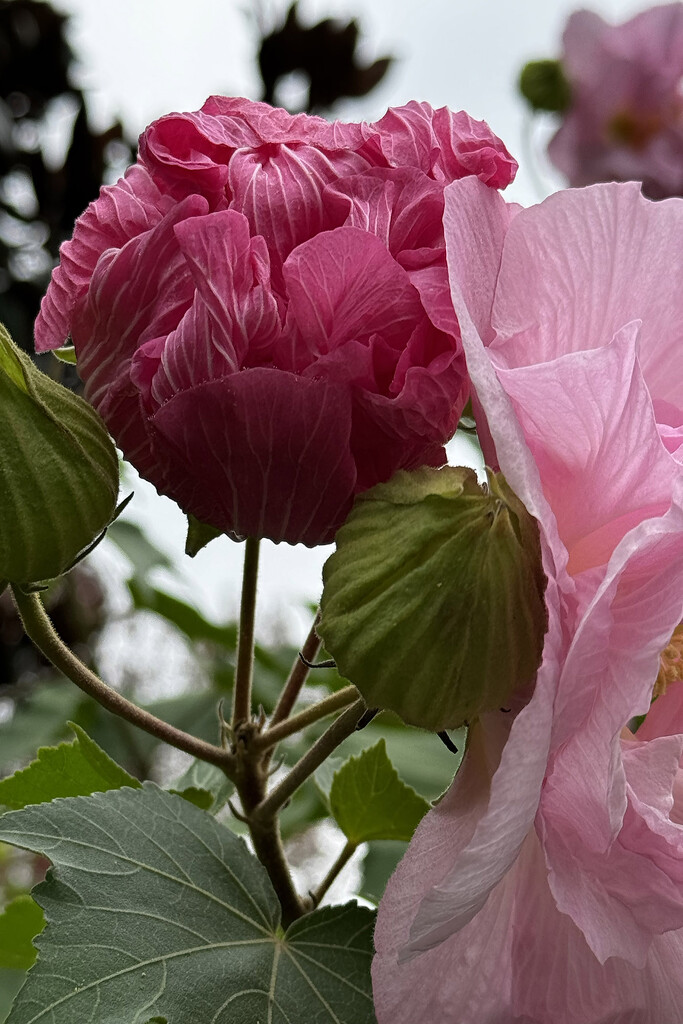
{"points": [[670, 663]]}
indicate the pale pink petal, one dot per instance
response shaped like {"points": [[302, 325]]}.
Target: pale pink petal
{"points": [[231, 468], [554, 299], [665, 716], [587, 418]]}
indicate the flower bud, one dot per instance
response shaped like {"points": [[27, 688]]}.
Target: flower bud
{"points": [[433, 602], [543, 85], [58, 471]]}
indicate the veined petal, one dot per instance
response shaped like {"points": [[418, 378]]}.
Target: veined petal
{"points": [[225, 465], [123, 211], [344, 285]]}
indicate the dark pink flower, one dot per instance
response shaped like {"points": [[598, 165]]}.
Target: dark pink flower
{"points": [[625, 120], [260, 308]]}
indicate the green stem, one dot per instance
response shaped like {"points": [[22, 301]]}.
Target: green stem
{"points": [[327, 706], [241, 702], [341, 862], [43, 634], [297, 676], [312, 759]]}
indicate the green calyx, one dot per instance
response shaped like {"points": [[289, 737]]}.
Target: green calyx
{"points": [[543, 85], [433, 602], [59, 476]]}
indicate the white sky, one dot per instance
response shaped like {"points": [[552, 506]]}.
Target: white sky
{"points": [[143, 58]]}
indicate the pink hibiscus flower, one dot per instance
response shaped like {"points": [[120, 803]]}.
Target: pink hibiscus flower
{"points": [[547, 886], [625, 119], [260, 308]]}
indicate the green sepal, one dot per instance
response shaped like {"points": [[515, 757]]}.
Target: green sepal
{"points": [[544, 86], [65, 354], [58, 472], [433, 602], [199, 535]]}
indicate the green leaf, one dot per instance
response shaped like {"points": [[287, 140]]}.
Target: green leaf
{"points": [[71, 769], [144, 555], [204, 785], [21, 922], [369, 801], [155, 909], [10, 983], [186, 618]]}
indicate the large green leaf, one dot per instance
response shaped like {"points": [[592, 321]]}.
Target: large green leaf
{"points": [[19, 924], [369, 801], [10, 983], [71, 769], [156, 910], [37, 721]]}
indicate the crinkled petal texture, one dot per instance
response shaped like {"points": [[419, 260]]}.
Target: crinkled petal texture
{"points": [[261, 311], [625, 120], [547, 886]]}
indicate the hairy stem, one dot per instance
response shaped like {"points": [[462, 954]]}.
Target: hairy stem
{"points": [[326, 706], [40, 630], [297, 676], [341, 861], [241, 701], [312, 759]]}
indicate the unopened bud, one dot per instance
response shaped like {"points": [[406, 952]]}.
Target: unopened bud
{"points": [[543, 85], [58, 472], [433, 603]]}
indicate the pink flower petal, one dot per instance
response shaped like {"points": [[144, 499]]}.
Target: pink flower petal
{"points": [[129, 208], [224, 465], [342, 285]]}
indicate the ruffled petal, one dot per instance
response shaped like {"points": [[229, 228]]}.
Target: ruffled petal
{"points": [[344, 285], [123, 211]]}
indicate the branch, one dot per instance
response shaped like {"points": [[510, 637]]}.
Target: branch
{"points": [[43, 634], [341, 862], [312, 759], [326, 706]]}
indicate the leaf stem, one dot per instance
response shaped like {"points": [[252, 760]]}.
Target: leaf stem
{"points": [[43, 634], [241, 701], [327, 706], [312, 759], [341, 862], [297, 675]]}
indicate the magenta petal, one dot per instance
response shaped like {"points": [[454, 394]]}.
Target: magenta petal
{"points": [[129, 208], [136, 293], [344, 285], [279, 189], [286, 474]]}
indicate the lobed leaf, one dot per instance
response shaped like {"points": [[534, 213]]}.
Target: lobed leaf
{"points": [[155, 910]]}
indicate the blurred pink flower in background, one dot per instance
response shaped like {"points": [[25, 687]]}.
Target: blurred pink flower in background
{"points": [[261, 312], [547, 886], [625, 118]]}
